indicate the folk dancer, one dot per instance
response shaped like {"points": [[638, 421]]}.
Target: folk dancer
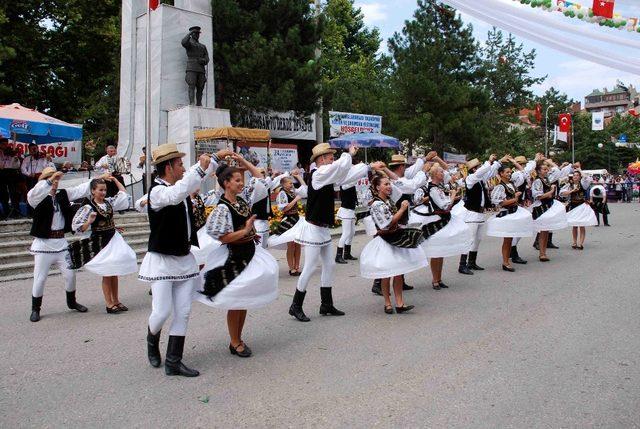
{"points": [[105, 252], [579, 211], [520, 178], [169, 265], [347, 212], [548, 213], [239, 274]]}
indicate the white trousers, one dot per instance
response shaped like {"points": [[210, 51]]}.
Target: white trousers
{"points": [[478, 229], [171, 296], [514, 241], [313, 255], [42, 265], [348, 232]]}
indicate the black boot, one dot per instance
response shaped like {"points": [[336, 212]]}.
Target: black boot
{"points": [[339, 258], [173, 363], [347, 253], [463, 268], [515, 258], [153, 348], [326, 306], [377, 287], [536, 243], [405, 286], [472, 261], [296, 307], [36, 303], [73, 305], [550, 244]]}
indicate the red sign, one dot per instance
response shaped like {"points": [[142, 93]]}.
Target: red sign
{"points": [[603, 8]]}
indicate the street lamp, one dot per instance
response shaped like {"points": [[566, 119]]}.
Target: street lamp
{"points": [[546, 130]]}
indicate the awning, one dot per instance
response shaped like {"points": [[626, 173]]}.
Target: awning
{"points": [[30, 125], [233, 133]]}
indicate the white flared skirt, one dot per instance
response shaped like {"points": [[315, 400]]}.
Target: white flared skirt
{"points": [[379, 260], [346, 214], [280, 241], [117, 258], [207, 243], [518, 224], [452, 240], [417, 220], [261, 226], [553, 219], [255, 287], [311, 235], [583, 215], [459, 210]]}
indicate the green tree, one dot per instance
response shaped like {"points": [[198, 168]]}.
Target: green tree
{"points": [[6, 52], [354, 75], [437, 68], [264, 54]]}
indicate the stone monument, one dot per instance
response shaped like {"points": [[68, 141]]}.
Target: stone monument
{"points": [[169, 91]]}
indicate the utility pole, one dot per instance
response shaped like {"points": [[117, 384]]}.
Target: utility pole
{"points": [[319, 125], [546, 131]]}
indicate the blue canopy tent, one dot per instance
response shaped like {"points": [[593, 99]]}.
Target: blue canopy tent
{"points": [[365, 141], [29, 125]]}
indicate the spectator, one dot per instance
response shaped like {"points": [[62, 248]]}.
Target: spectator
{"points": [[107, 164], [33, 164], [142, 165], [85, 166], [67, 167], [9, 180]]}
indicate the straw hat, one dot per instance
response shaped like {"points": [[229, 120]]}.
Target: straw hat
{"points": [[47, 172], [321, 149], [165, 152], [398, 159], [473, 163], [520, 159]]}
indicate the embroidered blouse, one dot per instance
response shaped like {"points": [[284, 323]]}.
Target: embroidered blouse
{"points": [[120, 201]]}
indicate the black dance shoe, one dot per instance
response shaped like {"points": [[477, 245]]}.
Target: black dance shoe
{"points": [[326, 303], [347, 253], [515, 258], [173, 362], [442, 285], [388, 309], [73, 305], [506, 268], [339, 258], [406, 287], [404, 308], [36, 303], [296, 307], [377, 287], [243, 354], [153, 348]]}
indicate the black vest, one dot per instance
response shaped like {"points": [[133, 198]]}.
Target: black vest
{"points": [[320, 210], [546, 187], [349, 198], [522, 188], [432, 204], [290, 197], [238, 219], [43, 214], [104, 218], [577, 197], [169, 235], [473, 198], [261, 209]]}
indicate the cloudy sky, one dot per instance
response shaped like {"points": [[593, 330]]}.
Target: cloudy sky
{"points": [[574, 76]]}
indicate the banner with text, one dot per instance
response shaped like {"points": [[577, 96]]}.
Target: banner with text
{"points": [[60, 152], [284, 157], [282, 125], [341, 123], [454, 158]]}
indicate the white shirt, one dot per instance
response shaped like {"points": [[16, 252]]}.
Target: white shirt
{"points": [[109, 161], [31, 165], [329, 174]]}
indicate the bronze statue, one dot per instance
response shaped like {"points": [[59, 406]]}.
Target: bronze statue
{"points": [[197, 59]]}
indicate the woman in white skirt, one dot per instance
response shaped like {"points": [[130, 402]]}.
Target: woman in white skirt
{"points": [[395, 250], [549, 214], [287, 202], [104, 252], [512, 220], [579, 212], [444, 235], [239, 274]]}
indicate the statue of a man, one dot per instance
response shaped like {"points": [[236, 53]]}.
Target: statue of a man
{"points": [[197, 59]]}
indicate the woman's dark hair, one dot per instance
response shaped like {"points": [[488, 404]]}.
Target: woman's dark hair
{"points": [[95, 182], [539, 166], [502, 168], [375, 182], [225, 172]]}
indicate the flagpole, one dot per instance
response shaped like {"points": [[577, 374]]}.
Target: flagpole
{"points": [[147, 109], [573, 145]]}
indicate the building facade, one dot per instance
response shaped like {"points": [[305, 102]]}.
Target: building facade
{"points": [[615, 101]]}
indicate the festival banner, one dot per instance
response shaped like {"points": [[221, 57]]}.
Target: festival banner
{"points": [[281, 125], [60, 152], [454, 158], [341, 123], [284, 157]]}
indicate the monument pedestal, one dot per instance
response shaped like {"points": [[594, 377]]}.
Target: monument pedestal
{"points": [[183, 121]]}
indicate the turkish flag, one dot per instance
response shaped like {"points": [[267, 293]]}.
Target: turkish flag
{"points": [[603, 8], [153, 4], [538, 113], [564, 122]]}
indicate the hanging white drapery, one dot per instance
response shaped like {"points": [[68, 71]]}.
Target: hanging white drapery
{"points": [[499, 15]]}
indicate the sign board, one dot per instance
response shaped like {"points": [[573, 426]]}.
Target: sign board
{"points": [[60, 152], [341, 123], [454, 158], [284, 157], [282, 125], [622, 138]]}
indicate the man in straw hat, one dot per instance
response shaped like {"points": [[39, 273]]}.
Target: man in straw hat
{"points": [[477, 201], [314, 234], [52, 216], [169, 265]]}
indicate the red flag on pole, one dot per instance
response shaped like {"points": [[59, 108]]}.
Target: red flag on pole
{"points": [[603, 8], [153, 4], [564, 122]]}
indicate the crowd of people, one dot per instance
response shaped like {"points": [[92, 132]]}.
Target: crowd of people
{"points": [[416, 215]]}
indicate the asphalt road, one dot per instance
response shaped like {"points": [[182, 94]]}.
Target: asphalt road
{"points": [[552, 345]]}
